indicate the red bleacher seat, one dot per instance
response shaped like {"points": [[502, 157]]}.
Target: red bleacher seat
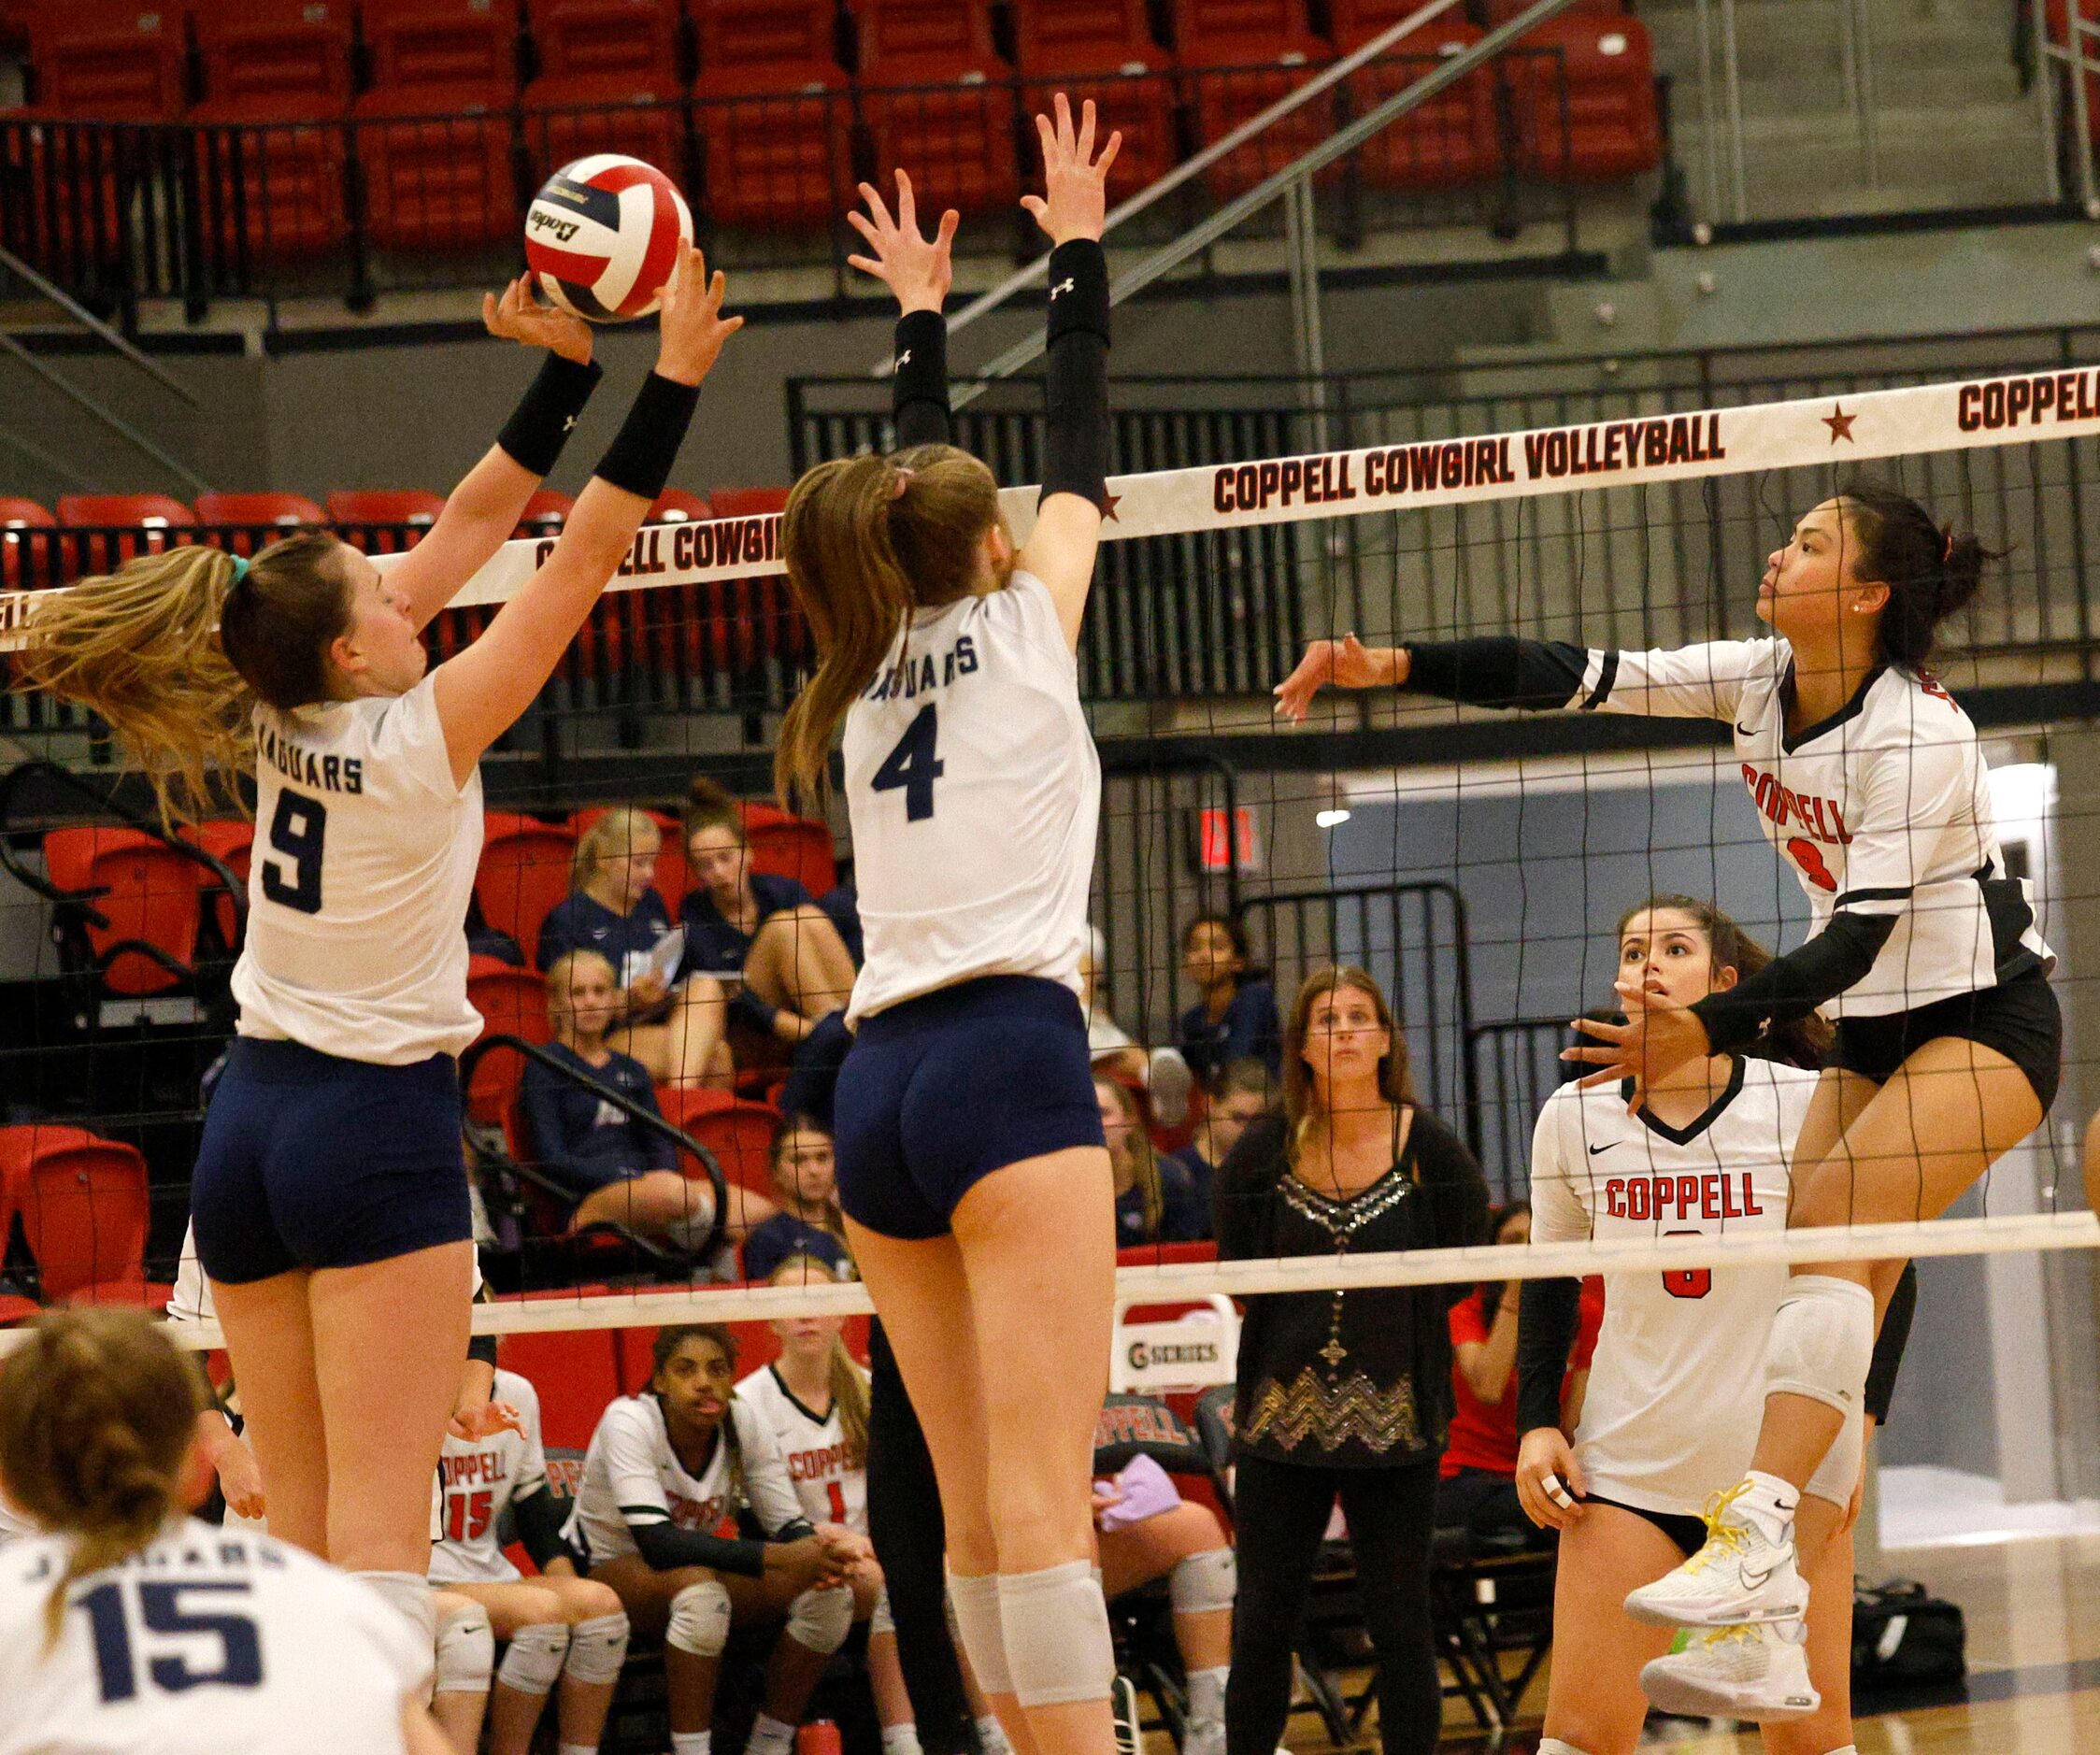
{"points": [[136, 525], [672, 880], [257, 509], [766, 34], [512, 1002], [271, 175], [592, 36], [524, 873], [577, 1372], [154, 897], [640, 113], [738, 1131], [948, 113], [415, 506], [436, 162], [1239, 57], [107, 60], [1501, 12], [1613, 127], [233, 843], [291, 54], [776, 139], [1450, 141], [442, 45], [84, 1211], [1103, 49], [674, 505], [16, 516], [790, 847], [546, 511]]}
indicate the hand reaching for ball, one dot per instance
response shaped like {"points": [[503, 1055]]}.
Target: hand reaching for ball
{"points": [[518, 316], [691, 325]]}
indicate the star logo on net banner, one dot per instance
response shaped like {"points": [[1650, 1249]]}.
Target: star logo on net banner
{"points": [[1839, 423]]}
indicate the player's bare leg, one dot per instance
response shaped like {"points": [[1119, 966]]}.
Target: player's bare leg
{"points": [[269, 1338], [514, 1714], [658, 1203], [694, 1054], [922, 1294], [1593, 1693], [799, 960], [689, 1678]]}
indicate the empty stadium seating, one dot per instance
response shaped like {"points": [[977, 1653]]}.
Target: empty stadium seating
{"points": [[935, 97], [274, 59], [545, 512], [608, 82], [289, 510], [738, 1131], [790, 847], [512, 1002], [385, 505], [1102, 49], [1242, 55], [1449, 141], [1612, 127], [17, 516], [233, 844], [772, 113], [524, 872], [108, 60], [84, 1210], [150, 895]]}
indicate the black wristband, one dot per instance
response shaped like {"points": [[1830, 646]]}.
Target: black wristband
{"points": [[1078, 289], [919, 391], [483, 1347], [540, 424], [640, 456]]}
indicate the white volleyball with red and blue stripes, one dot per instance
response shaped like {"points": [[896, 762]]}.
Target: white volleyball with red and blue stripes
{"points": [[603, 234]]}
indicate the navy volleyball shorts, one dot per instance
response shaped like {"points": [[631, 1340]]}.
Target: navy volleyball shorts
{"points": [[2019, 1018], [941, 1091], [311, 1160]]}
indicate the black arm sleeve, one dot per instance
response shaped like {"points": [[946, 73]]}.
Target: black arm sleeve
{"points": [[483, 1347], [1796, 984], [1499, 670], [1457, 1195], [667, 1548], [1076, 390], [539, 1526], [919, 391], [540, 425], [1245, 1186], [1549, 1316], [1889, 1344]]}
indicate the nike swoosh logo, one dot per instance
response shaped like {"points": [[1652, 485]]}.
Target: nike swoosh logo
{"points": [[1747, 730], [1756, 1580], [1606, 1146]]}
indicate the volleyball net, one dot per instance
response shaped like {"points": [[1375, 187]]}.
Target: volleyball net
{"points": [[1475, 865]]}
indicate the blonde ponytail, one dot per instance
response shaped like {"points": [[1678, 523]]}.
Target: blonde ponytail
{"points": [[173, 651], [848, 1395], [97, 1412], [867, 541]]}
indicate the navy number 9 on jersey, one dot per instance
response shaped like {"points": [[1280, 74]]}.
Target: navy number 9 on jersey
{"points": [[913, 765], [298, 828], [116, 1612]]}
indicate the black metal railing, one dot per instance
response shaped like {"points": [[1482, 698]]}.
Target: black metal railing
{"points": [[375, 201]]}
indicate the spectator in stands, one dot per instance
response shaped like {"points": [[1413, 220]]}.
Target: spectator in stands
{"points": [[1146, 1532], [1245, 1092], [1155, 1196], [666, 1471], [1342, 1395], [808, 1224], [1478, 1492], [673, 1027], [1234, 1017], [761, 934], [616, 1170], [1162, 1074]]}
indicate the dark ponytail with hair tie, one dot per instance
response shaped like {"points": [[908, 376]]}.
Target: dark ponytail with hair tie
{"points": [[1931, 570]]}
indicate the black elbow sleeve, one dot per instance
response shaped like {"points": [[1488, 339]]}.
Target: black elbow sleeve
{"points": [[1796, 984], [1549, 1316], [1076, 449], [1498, 670]]}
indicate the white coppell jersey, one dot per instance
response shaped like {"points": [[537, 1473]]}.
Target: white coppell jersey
{"points": [[207, 1642], [831, 1489], [632, 1475], [476, 1480], [974, 790], [1677, 1390], [13, 1525], [364, 860], [1882, 809]]}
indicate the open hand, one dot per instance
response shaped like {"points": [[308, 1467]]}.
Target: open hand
{"points": [[518, 316], [1347, 663], [918, 271], [1657, 1036], [689, 323], [240, 1477], [1075, 198], [473, 1424]]}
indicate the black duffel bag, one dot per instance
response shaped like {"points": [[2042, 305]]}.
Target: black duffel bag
{"points": [[1901, 1632]]}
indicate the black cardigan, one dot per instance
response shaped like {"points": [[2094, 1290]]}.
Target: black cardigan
{"points": [[1360, 1379]]}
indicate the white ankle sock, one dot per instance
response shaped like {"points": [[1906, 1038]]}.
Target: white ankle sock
{"points": [[769, 1737], [693, 1742], [1770, 1504], [579, 1748], [991, 1734], [1207, 1694], [900, 1739]]}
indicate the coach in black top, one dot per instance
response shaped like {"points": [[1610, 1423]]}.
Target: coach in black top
{"points": [[1342, 1394]]}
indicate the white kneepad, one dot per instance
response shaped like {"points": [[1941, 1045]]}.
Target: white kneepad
{"points": [[597, 1648], [467, 1652], [1201, 1583], [1056, 1627], [1553, 1745], [699, 1619], [819, 1621], [1838, 1473], [1822, 1342], [973, 1612], [533, 1662]]}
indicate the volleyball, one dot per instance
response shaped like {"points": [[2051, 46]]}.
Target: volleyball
{"points": [[602, 234]]}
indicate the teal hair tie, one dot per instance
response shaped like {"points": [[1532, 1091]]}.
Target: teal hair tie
{"points": [[240, 566]]}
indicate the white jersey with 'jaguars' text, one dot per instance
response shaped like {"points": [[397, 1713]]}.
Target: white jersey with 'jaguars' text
{"points": [[364, 860], [1678, 1386], [1882, 809], [832, 1487], [477, 1479], [206, 1642], [974, 794]]}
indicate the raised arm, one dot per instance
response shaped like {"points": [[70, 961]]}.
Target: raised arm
{"points": [[918, 271], [1061, 548], [482, 693], [482, 512]]}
